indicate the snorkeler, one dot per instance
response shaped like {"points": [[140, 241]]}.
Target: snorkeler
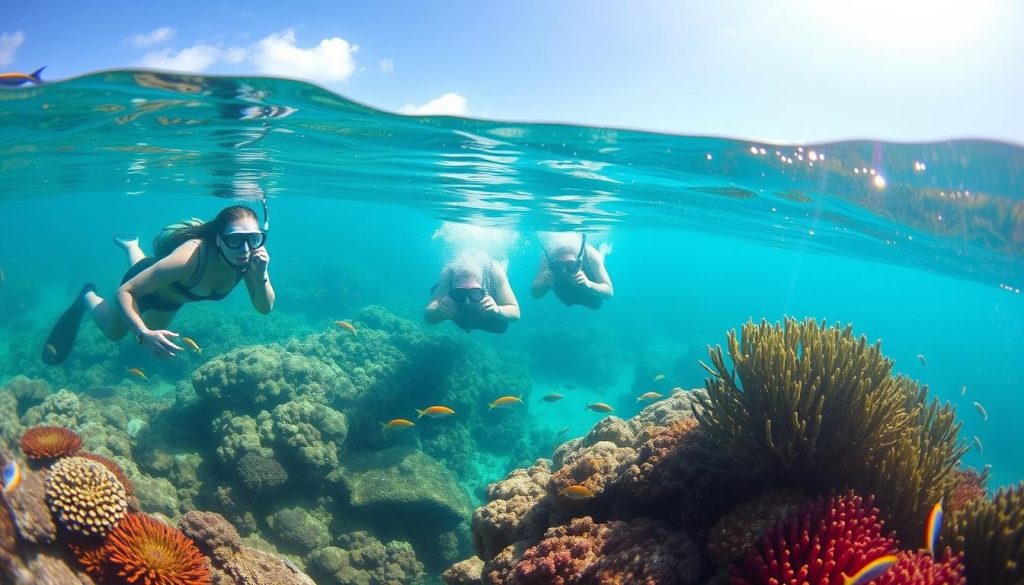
{"points": [[194, 261], [574, 270], [475, 294]]}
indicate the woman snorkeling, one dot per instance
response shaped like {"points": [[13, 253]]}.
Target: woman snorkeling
{"points": [[193, 261], [574, 269], [474, 293]]}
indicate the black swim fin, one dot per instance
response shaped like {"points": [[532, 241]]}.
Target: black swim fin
{"points": [[63, 335]]}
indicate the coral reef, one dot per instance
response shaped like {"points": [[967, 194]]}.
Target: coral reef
{"points": [[85, 497], [739, 530], [112, 467], [920, 568], [830, 538], [467, 572], [31, 514], [814, 406], [990, 534], [299, 529], [517, 509], [361, 559]]}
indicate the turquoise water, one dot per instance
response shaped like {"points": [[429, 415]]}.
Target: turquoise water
{"points": [[919, 245]]}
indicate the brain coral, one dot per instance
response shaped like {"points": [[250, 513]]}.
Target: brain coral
{"points": [[114, 468], [261, 473], [46, 442], [84, 496]]}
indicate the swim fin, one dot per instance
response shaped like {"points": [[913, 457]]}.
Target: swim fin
{"points": [[63, 335]]}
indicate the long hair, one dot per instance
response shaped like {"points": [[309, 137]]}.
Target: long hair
{"points": [[178, 233]]}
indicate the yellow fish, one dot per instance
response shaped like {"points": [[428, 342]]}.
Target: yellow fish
{"points": [[346, 326], [600, 407], [137, 372], [435, 411], [659, 377], [397, 423], [981, 409], [553, 397], [191, 343], [506, 401], [648, 396], [576, 492]]}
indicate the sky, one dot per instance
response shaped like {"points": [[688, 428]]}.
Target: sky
{"points": [[799, 71]]}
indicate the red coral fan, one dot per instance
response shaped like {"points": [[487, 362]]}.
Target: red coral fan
{"points": [[113, 467], [829, 538], [920, 569], [144, 551], [970, 486], [50, 442]]}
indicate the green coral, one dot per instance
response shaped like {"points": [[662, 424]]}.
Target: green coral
{"points": [[816, 407], [990, 533], [310, 431]]}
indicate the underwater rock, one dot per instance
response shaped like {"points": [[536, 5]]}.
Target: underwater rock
{"points": [[467, 572], [612, 429], [214, 535], [517, 509], [52, 568], [10, 425], [27, 504], [134, 427], [668, 411], [597, 467], [255, 567], [258, 377], [401, 483], [300, 529], [361, 559], [27, 391], [309, 431], [62, 409], [157, 495], [239, 437]]}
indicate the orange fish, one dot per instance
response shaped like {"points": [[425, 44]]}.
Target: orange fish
{"points": [[659, 377], [600, 407], [191, 343], [397, 423], [346, 326], [576, 492], [553, 397], [137, 372], [435, 411], [506, 401], [648, 396]]}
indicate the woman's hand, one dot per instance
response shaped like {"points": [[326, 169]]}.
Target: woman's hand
{"points": [[258, 262], [581, 279], [159, 342], [447, 308]]}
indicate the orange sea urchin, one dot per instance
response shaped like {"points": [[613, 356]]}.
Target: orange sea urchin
{"points": [[45, 442], [144, 551]]}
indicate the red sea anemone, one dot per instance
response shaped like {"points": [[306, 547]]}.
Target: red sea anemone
{"points": [[829, 538], [144, 551], [50, 442]]}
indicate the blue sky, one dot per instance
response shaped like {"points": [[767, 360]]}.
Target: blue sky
{"points": [[796, 71]]}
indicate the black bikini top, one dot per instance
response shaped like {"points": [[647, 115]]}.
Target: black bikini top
{"points": [[185, 289]]}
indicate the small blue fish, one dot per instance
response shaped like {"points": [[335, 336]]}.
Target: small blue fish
{"points": [[932, 528], [15, 79], [12, 476], [871, 571]]}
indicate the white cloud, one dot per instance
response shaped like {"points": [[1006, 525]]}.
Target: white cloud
{"points": [[194, 59], [278, 54], [234, 55], [450, 104], [387, 65], [154, 37], [9, 43]]}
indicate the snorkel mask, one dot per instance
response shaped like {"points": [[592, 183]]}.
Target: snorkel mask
{"points": [[569, 267]]}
